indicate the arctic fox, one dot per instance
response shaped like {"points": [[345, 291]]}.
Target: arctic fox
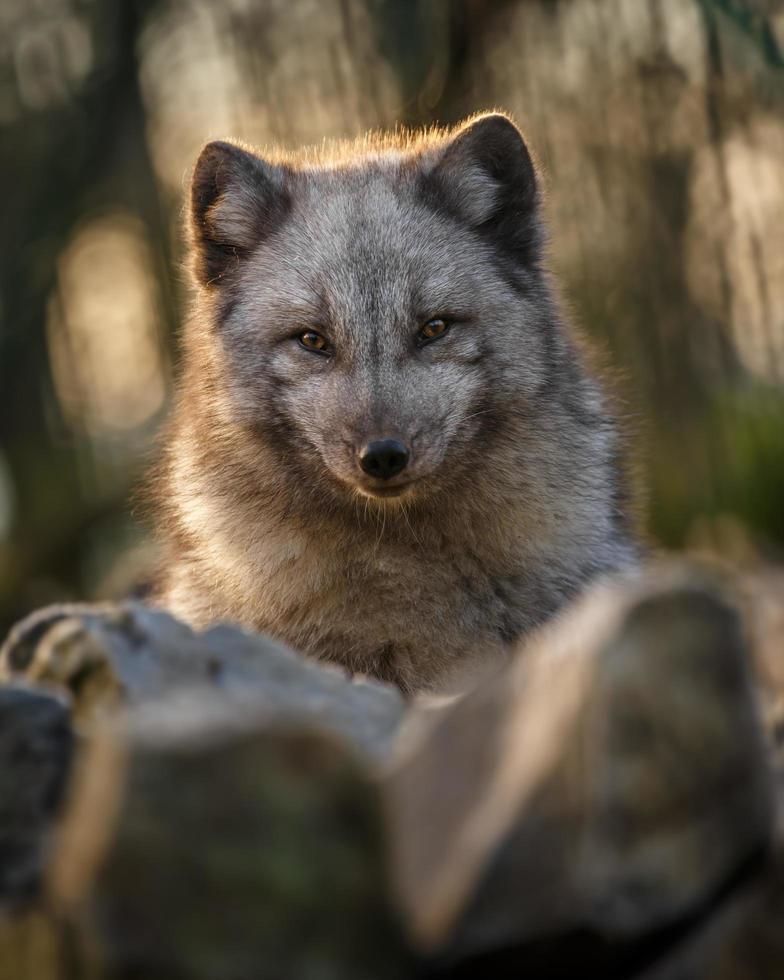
{"points": [[386, 450]]}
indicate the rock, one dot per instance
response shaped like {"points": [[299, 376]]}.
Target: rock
{"points": [[230, 857], [589, 810], [36, 745], [221, 822], [107, 655], [602, 808]]}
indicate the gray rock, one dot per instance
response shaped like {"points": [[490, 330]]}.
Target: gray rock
{"points": [[222, 821], [594, 806], [602, 808], [132, 655], [36, 745], [252, 855]]}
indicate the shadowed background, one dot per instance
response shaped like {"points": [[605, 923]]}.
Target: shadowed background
{"points": [[659, 125]]}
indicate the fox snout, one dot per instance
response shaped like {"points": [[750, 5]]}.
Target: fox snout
{"points": [[384, 458]]}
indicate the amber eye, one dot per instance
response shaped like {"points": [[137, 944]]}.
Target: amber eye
{"points": [[433, 329], [314, 341]]}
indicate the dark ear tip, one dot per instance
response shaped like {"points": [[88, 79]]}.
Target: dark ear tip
{"points": [[212, 155], [211, 173], [499, 140], [220, 148], [493, 122], [494, 129]]}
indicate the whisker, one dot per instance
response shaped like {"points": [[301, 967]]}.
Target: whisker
{"points": [[404, 509], [486, 411]]}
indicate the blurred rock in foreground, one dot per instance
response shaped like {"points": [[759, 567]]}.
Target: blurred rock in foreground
{"points": [[112, 655], [599, 805], [36, 745], [219, 822], [175, 805]]}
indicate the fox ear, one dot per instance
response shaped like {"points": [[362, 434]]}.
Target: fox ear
{"points": [[484, 174], [236, 199]]}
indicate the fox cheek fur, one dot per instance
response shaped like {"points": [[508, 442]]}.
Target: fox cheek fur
{"points": [[379, 325]]}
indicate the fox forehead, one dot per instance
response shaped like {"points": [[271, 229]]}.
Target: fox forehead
{"points": [[356, 252]]}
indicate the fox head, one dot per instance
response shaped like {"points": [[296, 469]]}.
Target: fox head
{"points": [[377, 319]]}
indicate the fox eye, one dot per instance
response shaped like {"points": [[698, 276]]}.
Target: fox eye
{"points": [[432, 330], [312, 340]]}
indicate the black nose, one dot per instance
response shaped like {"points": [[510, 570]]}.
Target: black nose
{"points": [[384, 458]]}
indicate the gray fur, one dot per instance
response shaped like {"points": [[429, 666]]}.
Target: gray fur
{"points": [[513, 499]]}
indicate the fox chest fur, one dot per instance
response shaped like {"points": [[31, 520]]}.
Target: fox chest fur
{"points": [[386, 450], [421, 621]]}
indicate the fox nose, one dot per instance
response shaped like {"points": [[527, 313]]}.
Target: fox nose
{"points": [[384, 458]]}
